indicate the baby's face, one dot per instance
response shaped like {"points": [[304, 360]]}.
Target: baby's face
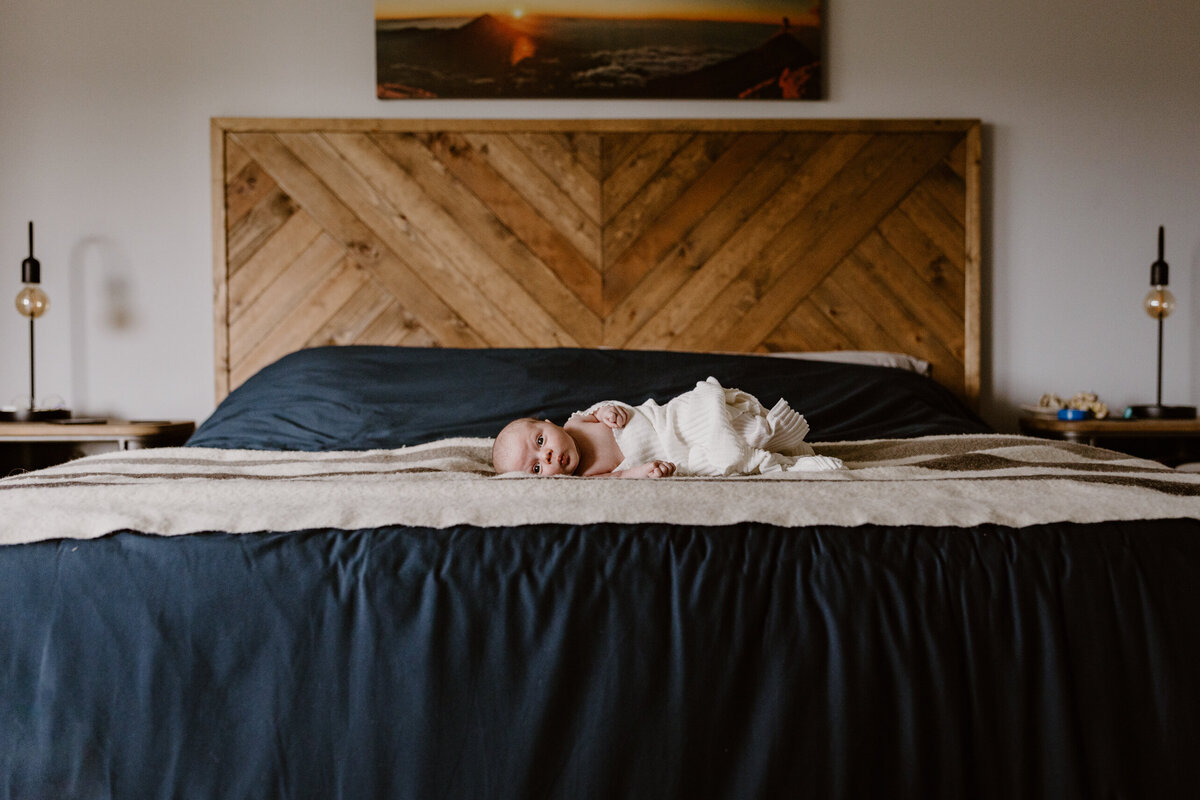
{"points": [[538, 447]]}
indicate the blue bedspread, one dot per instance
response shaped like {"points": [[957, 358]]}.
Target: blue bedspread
{"points": [[577, 662]]}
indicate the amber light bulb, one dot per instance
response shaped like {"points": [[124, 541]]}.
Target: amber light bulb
{"points": [[1159, 302], [32, 302]]}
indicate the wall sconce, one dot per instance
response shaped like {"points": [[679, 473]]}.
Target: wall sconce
{"points": [[1159, 304], [32, 302]]}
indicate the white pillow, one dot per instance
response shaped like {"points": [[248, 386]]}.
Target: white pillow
{"points": [[877, 358]]}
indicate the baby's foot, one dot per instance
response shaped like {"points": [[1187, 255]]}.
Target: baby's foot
{"points": [[816, 464]]}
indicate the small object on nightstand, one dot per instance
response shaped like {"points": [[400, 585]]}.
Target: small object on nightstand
{"points": [[1051, 405], [1072, 413]]}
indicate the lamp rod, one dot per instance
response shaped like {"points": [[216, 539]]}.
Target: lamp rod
{"points": [[31, 241], [32, 394], [1158, 394]]}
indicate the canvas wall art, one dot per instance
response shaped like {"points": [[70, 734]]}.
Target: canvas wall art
{"points": [[714, 49]]}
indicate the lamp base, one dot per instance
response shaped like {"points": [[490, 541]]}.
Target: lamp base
{"points": [[1160, 412], [33, 414]]}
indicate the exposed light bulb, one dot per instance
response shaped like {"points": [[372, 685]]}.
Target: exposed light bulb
{"points": [[1159, 302], [32, 302]]}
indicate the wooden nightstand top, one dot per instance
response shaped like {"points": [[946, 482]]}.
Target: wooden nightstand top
{"points": [[155, 431], [1111, 427], [1170, 441]]}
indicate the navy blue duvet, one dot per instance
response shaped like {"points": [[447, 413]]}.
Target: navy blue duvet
{"points": [[605, 661]]}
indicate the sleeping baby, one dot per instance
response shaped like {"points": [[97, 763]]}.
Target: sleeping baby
{"points": [[709, 430]]}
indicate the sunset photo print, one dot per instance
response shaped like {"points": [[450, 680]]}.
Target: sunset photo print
{"points": [[619, 49]]}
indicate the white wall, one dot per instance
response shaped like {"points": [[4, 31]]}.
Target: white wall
{"points": [[1093, 140]]}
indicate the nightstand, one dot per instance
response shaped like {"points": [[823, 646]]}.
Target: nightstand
{"points": [[1169, 441], [33, 445]]}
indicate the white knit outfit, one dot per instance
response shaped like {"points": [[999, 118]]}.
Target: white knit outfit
{"points": [[712, 430]]}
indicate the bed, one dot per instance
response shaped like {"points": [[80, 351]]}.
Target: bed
{"points": [[329, 592]]}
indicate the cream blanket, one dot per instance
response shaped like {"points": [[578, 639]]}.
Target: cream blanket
{"points": [[712, 430], [940, 480]]}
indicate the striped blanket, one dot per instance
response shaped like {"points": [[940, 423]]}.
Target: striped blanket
{"points": [[939, 480]]}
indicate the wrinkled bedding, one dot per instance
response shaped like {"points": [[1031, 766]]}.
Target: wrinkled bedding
{"points": [[328, 594], [938, 480]]}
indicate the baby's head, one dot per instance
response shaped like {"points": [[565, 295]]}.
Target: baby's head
{"points": [[536, 446]]}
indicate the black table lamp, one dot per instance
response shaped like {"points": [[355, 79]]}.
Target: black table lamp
{"points": [[1159, 304], [32, 302]]}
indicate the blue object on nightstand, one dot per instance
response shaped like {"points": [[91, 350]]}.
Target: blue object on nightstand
{"points": [[1072, 413]]}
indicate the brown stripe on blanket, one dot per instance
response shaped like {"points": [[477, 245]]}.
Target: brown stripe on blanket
{"points": [[1166, 487], [895, 449], [128, 478], [990, 461], [308, 458]]}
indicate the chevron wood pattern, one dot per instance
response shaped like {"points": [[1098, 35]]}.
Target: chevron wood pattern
{"points": [[724, 235]]}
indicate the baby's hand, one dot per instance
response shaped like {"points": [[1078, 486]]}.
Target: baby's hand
{"points": [[654, 469], [614, 417]]}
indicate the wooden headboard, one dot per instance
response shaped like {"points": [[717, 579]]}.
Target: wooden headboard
{"points": [[721, 235]]}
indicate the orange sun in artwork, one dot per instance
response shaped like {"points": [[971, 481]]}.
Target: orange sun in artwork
{"points": [[518, 13]]}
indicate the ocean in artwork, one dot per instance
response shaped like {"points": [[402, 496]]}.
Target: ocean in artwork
{"points": [[501, 56]]}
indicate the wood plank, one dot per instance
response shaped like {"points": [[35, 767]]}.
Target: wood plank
{"points": [[233, 159], [283, 248], [431, 243], [393, 326], [825, 231], [821, 220], [295, 328], [416, 337], [972, 270], [940, 319], [702, 293], [628, 178], [929, 261], [858, 278], [218, 175], [945, 187], [659, 193], [269, 309], [586, 147], [256, 227], [558, 160], [594, 125], [462, 228], [714, 231], [846, 315], [536, 253], [933, 221], [347, 324], [806, 329], [849, 313], [573, 222], [956, 162], [329, 212], [245, 190], [614, 149], [707, 192]]}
